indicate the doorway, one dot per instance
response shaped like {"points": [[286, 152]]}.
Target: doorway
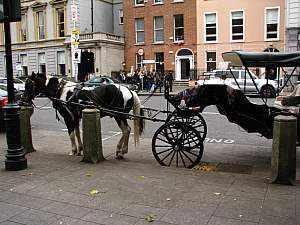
{"points": [[185, 68], [184, 64], [86, 65]]}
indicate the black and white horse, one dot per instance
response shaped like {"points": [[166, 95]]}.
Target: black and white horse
{"points": [[63, 93]]}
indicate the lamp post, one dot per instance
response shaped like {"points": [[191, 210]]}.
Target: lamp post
{"points": [[123, 64], [15, 156]]}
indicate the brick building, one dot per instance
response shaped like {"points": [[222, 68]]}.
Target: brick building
{"points": [[160, 35]]}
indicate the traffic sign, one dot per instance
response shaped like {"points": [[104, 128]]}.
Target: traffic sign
{"points": [[74, 12], [140, 51]]}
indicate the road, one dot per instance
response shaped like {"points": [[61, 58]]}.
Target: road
{"points": [[219, 129]]}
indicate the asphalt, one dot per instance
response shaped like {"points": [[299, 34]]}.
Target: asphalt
{"points": [[56, 188]]}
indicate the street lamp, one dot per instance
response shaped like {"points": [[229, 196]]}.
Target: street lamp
{"points": [[123, 64], [15, 156]]}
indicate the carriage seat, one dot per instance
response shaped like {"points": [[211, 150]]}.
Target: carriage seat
{"points": [[292, 102], [242, 104]]}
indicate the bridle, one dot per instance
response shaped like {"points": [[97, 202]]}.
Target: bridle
{"points": [[30, 90]]}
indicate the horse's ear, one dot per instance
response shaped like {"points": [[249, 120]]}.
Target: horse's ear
{"points": [[32, 76]]}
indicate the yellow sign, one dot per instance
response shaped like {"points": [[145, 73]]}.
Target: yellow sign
{"points": [[75, 37]]}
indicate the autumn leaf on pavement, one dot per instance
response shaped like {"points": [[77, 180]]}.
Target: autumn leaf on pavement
{"points": [[92, 192], [149, 218], [90, 175]]}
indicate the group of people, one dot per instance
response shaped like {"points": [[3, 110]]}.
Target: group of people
{"points": [[153, 80]]}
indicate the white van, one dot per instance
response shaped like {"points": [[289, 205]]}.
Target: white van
{"points": [[265, 87]]}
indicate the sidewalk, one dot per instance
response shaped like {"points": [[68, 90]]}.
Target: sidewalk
{"points": [[55, 188]]}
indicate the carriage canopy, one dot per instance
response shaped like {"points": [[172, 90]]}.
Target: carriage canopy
{"points": [[262, 59]]}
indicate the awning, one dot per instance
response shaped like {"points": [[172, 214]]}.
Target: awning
{"points": [[262, 59]]}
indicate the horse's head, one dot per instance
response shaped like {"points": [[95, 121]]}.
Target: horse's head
{"points": [[31, 87]]}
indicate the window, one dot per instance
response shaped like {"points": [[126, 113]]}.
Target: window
{"points": [[158, 29], [120, 16], [60, 18], [210, 27], [39, 14], [23, 29], [272, 23], [139, 30], [61, 60], [237, 26], [159, 61], [139, 61], [40, 25], [139, 2], [158, 1], [211, 61], [23, 58], [178, 27], [42, 63]]}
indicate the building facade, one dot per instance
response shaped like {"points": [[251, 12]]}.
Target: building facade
{"points": [[292, 23], [248, 25], [160, 35], [41, 41]]}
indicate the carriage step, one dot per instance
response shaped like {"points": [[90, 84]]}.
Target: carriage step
{"points": [[181, 83]]}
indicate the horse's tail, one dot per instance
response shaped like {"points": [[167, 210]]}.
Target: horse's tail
{"points": [[138, 122]]}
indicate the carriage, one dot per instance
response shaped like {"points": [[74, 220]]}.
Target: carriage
{"points": [[179, 141]]}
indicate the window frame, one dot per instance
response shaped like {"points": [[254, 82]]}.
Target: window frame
{"points": [[213, 61], [232, 26], [136, 2], [177, 28], [121, 16], [139, 31], [266, 23], [156, 30], [38, 7], [205, 27], [158, 2]]}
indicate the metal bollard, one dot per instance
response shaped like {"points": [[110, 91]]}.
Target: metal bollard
{"points": [[283, 163], [25, 127], [91, 135]]}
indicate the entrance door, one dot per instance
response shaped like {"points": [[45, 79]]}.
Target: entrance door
{"points": [[185, 68], [86, 65]]}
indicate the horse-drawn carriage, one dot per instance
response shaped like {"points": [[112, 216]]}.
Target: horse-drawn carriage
{"points": [[179, 141]]}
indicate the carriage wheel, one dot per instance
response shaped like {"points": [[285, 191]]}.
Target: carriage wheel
{"points": [[195, 120], [177, 143]]}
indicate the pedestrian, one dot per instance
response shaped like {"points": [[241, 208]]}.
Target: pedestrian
{"points": [[122, 77], [159, 81], [170, 80], [136, 79], [272, 74]]}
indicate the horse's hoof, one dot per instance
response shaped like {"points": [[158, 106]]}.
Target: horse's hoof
{"points": [[78, 154], [117, 153], [119, 157]]}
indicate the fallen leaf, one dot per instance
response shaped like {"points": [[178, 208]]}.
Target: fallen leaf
{"points": [[149, 218], [240, 216], [24, 174], [90, 175], [217, 193], [142, 176], [168, 199], [92, 192], [30, 173]]}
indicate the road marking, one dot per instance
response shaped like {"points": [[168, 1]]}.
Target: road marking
{"points": [[214, 140]]}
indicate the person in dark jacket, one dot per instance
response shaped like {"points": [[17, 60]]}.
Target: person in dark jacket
{"points": [[170, 80]]}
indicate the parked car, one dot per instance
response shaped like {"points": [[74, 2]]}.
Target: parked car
{"points": [[265, 87], [103, 80], [4, 100], [19, 85]]}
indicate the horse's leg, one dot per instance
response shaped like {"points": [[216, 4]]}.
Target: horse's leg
{"points": [[73, 143], [78, 136], [125, 138]]}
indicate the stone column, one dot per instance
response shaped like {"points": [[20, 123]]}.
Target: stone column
{"points": [[91, 135], [283, 163], [25, 127]]}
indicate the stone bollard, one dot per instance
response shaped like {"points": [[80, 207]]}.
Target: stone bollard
{"points": [[91, 135], [283, 163], [25, 127]]}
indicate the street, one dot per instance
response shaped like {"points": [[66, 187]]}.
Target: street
{"points": [[219, 130]]}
